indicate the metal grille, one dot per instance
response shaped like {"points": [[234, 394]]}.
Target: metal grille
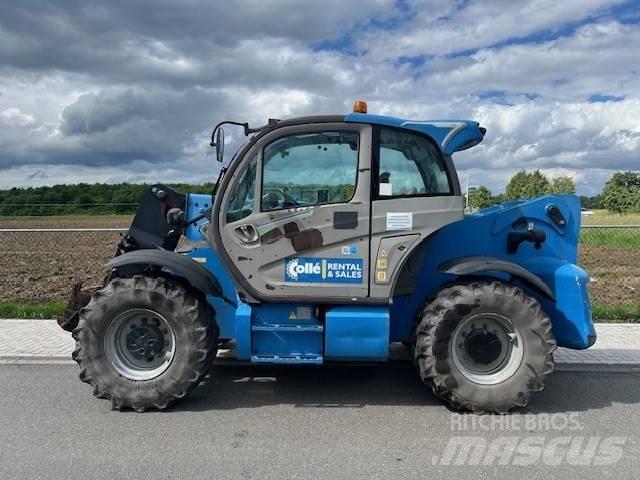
{"points": [[611, 255]]}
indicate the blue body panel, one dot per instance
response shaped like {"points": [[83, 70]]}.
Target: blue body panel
{"points": [[357, 333], [225, 311], [197, 203]]}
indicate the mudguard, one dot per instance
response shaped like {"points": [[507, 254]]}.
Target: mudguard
{"points": [[478, 264], [196, 274]]}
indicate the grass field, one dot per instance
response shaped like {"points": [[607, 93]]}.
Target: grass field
{"points": [[603, 217], [625, 237]]}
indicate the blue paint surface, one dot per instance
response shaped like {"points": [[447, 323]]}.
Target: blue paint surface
{"points": [[357, 333], [450, 135]]}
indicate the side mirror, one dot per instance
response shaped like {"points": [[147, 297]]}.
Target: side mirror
{"points": [[220, 144]]}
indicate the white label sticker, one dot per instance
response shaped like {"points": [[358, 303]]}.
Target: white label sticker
{"points": [[399, 221], [385, 190]]}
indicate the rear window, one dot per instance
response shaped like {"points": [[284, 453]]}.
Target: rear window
{"points": [[410, 165]]}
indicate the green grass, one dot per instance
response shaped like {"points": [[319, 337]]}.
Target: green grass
{"points": [[623, 313], [611, 237], [601, 313], [31, 310]]}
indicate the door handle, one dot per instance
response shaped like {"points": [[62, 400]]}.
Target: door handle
{"points": [[247, 233]]}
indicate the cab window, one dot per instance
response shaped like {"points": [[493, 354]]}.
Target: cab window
{"points": [[309, 169], [410, 165], [241, 200]]}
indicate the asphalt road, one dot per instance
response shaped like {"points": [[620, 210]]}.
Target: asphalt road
{"points": [[340, 422]]}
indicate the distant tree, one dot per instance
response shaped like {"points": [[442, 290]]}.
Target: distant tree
{"points": [[84, 198], [499, 198], [537, 185], [591, 202], [562, 186], [621, 193], [66, 199], [480, 198], [516, 186], [527, 185]]}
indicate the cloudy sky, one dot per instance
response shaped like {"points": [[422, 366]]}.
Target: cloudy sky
{"points": [[129, 90]]}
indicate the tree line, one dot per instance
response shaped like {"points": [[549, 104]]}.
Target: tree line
{"points": [[621, 193], [81, 198]]}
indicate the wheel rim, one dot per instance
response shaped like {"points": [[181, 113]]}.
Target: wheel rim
{"points": [[139, 344], [487, 348]]}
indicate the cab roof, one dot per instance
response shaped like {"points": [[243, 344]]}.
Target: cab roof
{"points": [[450, 135]]}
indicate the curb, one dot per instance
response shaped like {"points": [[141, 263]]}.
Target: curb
{"points": [[228, 361], [598, 367], [36, 360]]}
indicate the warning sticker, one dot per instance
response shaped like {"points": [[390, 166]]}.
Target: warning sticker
{"points": [[399, 221]]}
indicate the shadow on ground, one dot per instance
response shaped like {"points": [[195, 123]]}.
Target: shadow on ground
{"points": [[231, 387]]}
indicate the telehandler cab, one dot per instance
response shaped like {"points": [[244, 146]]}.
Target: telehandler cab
{"points": [[326, 239]]}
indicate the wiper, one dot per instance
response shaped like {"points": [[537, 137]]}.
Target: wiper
{"points": [[223, 170]]}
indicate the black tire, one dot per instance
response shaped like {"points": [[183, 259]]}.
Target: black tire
{"points": [[189, 316], [461, 304]]}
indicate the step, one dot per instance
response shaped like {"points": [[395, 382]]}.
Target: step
{"points": [[283, 359], [274, 327]]}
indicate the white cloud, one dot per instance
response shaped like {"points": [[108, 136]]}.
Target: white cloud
{"points": [[129, 92], [440, 28], [13, 117]]}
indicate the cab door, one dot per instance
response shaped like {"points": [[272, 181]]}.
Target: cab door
{"points": [[415, 192], [294, 216]]}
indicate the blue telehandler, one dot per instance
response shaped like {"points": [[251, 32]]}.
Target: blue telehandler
{"points": [[325, 240]]}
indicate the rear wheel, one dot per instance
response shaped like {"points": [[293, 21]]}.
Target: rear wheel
{"points": [[484, 346], [145, 342]]}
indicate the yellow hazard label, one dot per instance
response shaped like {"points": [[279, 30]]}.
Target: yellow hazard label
{"points": [[381, 263], [292, 315], [383, 253]]}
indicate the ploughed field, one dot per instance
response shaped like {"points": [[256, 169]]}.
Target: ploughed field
{"points": [[42, 266]]}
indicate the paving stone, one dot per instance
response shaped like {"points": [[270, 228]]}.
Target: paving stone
{"points": [[617, 344]]}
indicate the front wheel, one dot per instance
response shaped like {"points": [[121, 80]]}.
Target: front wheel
{"points": [[145, 342], [484, 346]]}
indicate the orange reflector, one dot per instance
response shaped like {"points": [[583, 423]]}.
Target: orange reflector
{"points": [[360, 106]]}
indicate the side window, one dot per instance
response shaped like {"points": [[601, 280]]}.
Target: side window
{"points": [[409, 164], [241, 201], [309, 169]]}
